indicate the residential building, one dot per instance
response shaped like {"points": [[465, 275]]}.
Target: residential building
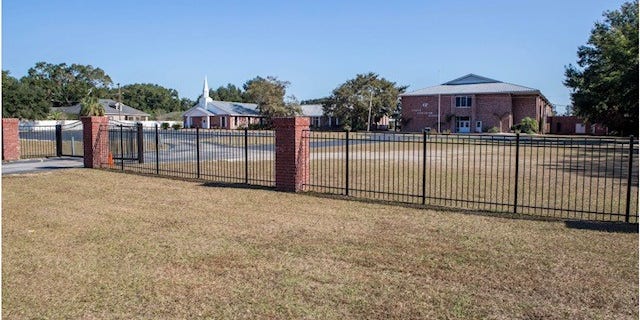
{"points": [[473, 104], [209, 113], [112, 109]]}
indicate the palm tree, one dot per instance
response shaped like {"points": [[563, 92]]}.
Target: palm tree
{"points": [[89, 106]]}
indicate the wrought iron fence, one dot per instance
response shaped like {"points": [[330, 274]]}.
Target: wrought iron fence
{"points": [[224, 156], [37, 141], [564, 177], [41, 141]]}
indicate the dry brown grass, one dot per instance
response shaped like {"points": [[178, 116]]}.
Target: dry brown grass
{"points": [[95, 244]]}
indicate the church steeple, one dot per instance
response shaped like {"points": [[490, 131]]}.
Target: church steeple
{"points": [[205, 94]]}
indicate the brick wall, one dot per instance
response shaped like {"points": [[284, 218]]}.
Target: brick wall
{"points": [[292, 153], [96, 141], [10, 139]]}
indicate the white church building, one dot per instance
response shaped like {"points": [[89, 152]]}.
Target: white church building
{"points": [[210, 114]]}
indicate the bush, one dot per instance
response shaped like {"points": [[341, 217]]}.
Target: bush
{"points": [[164, 125], [446, 131], [90, 107], [176, 126], [493, 130], [526, 125], [255, 126]]}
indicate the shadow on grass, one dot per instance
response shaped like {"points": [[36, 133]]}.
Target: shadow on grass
{"points": [[236, 186], [602, 226]]}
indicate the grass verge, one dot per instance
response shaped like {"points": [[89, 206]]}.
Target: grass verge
{"points": [[98, 244]]}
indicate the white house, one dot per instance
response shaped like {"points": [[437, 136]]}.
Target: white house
{"points": [[209, 113]]}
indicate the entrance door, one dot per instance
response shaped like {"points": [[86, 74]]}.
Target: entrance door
{"points": [[462, 124]]}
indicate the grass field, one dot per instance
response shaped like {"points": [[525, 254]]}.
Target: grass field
{"points": [[96, 244]]}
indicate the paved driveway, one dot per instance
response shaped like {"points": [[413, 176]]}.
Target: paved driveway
{"points": [[39, 165]]}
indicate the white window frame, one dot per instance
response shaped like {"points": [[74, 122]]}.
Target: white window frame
{"points": [[465, 101]]}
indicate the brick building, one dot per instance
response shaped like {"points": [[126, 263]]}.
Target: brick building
{"points": [[209, 113], [574, 125], [473, 104]]}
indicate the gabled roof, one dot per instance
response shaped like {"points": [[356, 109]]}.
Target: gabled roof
{"points": [[473, 84], [219, 108], [110, 108], [312, 110]]}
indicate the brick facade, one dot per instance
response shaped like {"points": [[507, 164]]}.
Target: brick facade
{"points": [[292, 153], [571, 125], [96, 141], [10, 139], [491, 110]]}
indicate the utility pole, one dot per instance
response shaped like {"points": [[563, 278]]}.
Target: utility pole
{"points": [[438, 113], [370, 103], [119, 103]]}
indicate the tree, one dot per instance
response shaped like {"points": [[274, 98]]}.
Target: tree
{"points": [[89, 107], [269, 94], [351, 100], [605, 86], [65, 85], [228, 93], [22, 101], [152, 98]]}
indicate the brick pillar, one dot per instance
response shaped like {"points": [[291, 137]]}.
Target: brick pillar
{"points": [[10, 139], [292, 153], [95, 137]]}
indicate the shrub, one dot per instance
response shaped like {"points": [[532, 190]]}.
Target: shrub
{"points": [[528, 125], [446, 131], [493, 130], [164, 125], [176, 126]]}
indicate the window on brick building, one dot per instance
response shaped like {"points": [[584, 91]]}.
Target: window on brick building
{"points": [[463, 102]]}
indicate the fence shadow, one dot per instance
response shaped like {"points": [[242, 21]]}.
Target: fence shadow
{"points": [[236, 185], [474, 212], [602, 226]]}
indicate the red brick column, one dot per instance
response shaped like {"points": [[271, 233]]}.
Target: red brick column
{"points": [[292, 153], [96, 141], [10, 139]]}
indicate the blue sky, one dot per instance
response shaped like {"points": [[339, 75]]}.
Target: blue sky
{"points": [[316, 45]]}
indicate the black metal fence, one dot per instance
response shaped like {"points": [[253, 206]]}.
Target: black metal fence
{"points": [[221, 156], [41, 141], [564, 177]]}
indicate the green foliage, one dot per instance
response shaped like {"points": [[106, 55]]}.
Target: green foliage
{"points": [[20, 100], [90, 107], [269, 94], [526, 125], [176, 126], [229, 93], [350, 101], [164, 125], [57, 115], [605, 86], [65, 85], [493, 130], [152, 98]]}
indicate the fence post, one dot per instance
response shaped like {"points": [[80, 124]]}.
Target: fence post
{"points": [[424, 167], [246, 156], [95, 139], [198, 152], [10, 139], [346, 164], [629, 176], [121, 148], [58, 140], [292, 153], [515, 195], [140, 143], [157, 152]]}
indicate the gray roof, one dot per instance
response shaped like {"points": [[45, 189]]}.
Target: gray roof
{"points": [[312, 110], [109, 109], [232, 108], [473, 84]]}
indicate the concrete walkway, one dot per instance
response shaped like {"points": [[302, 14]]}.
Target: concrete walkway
{"points": [[39, 165]]}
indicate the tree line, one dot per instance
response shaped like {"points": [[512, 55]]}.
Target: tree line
{"points": [[604, 86]]}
